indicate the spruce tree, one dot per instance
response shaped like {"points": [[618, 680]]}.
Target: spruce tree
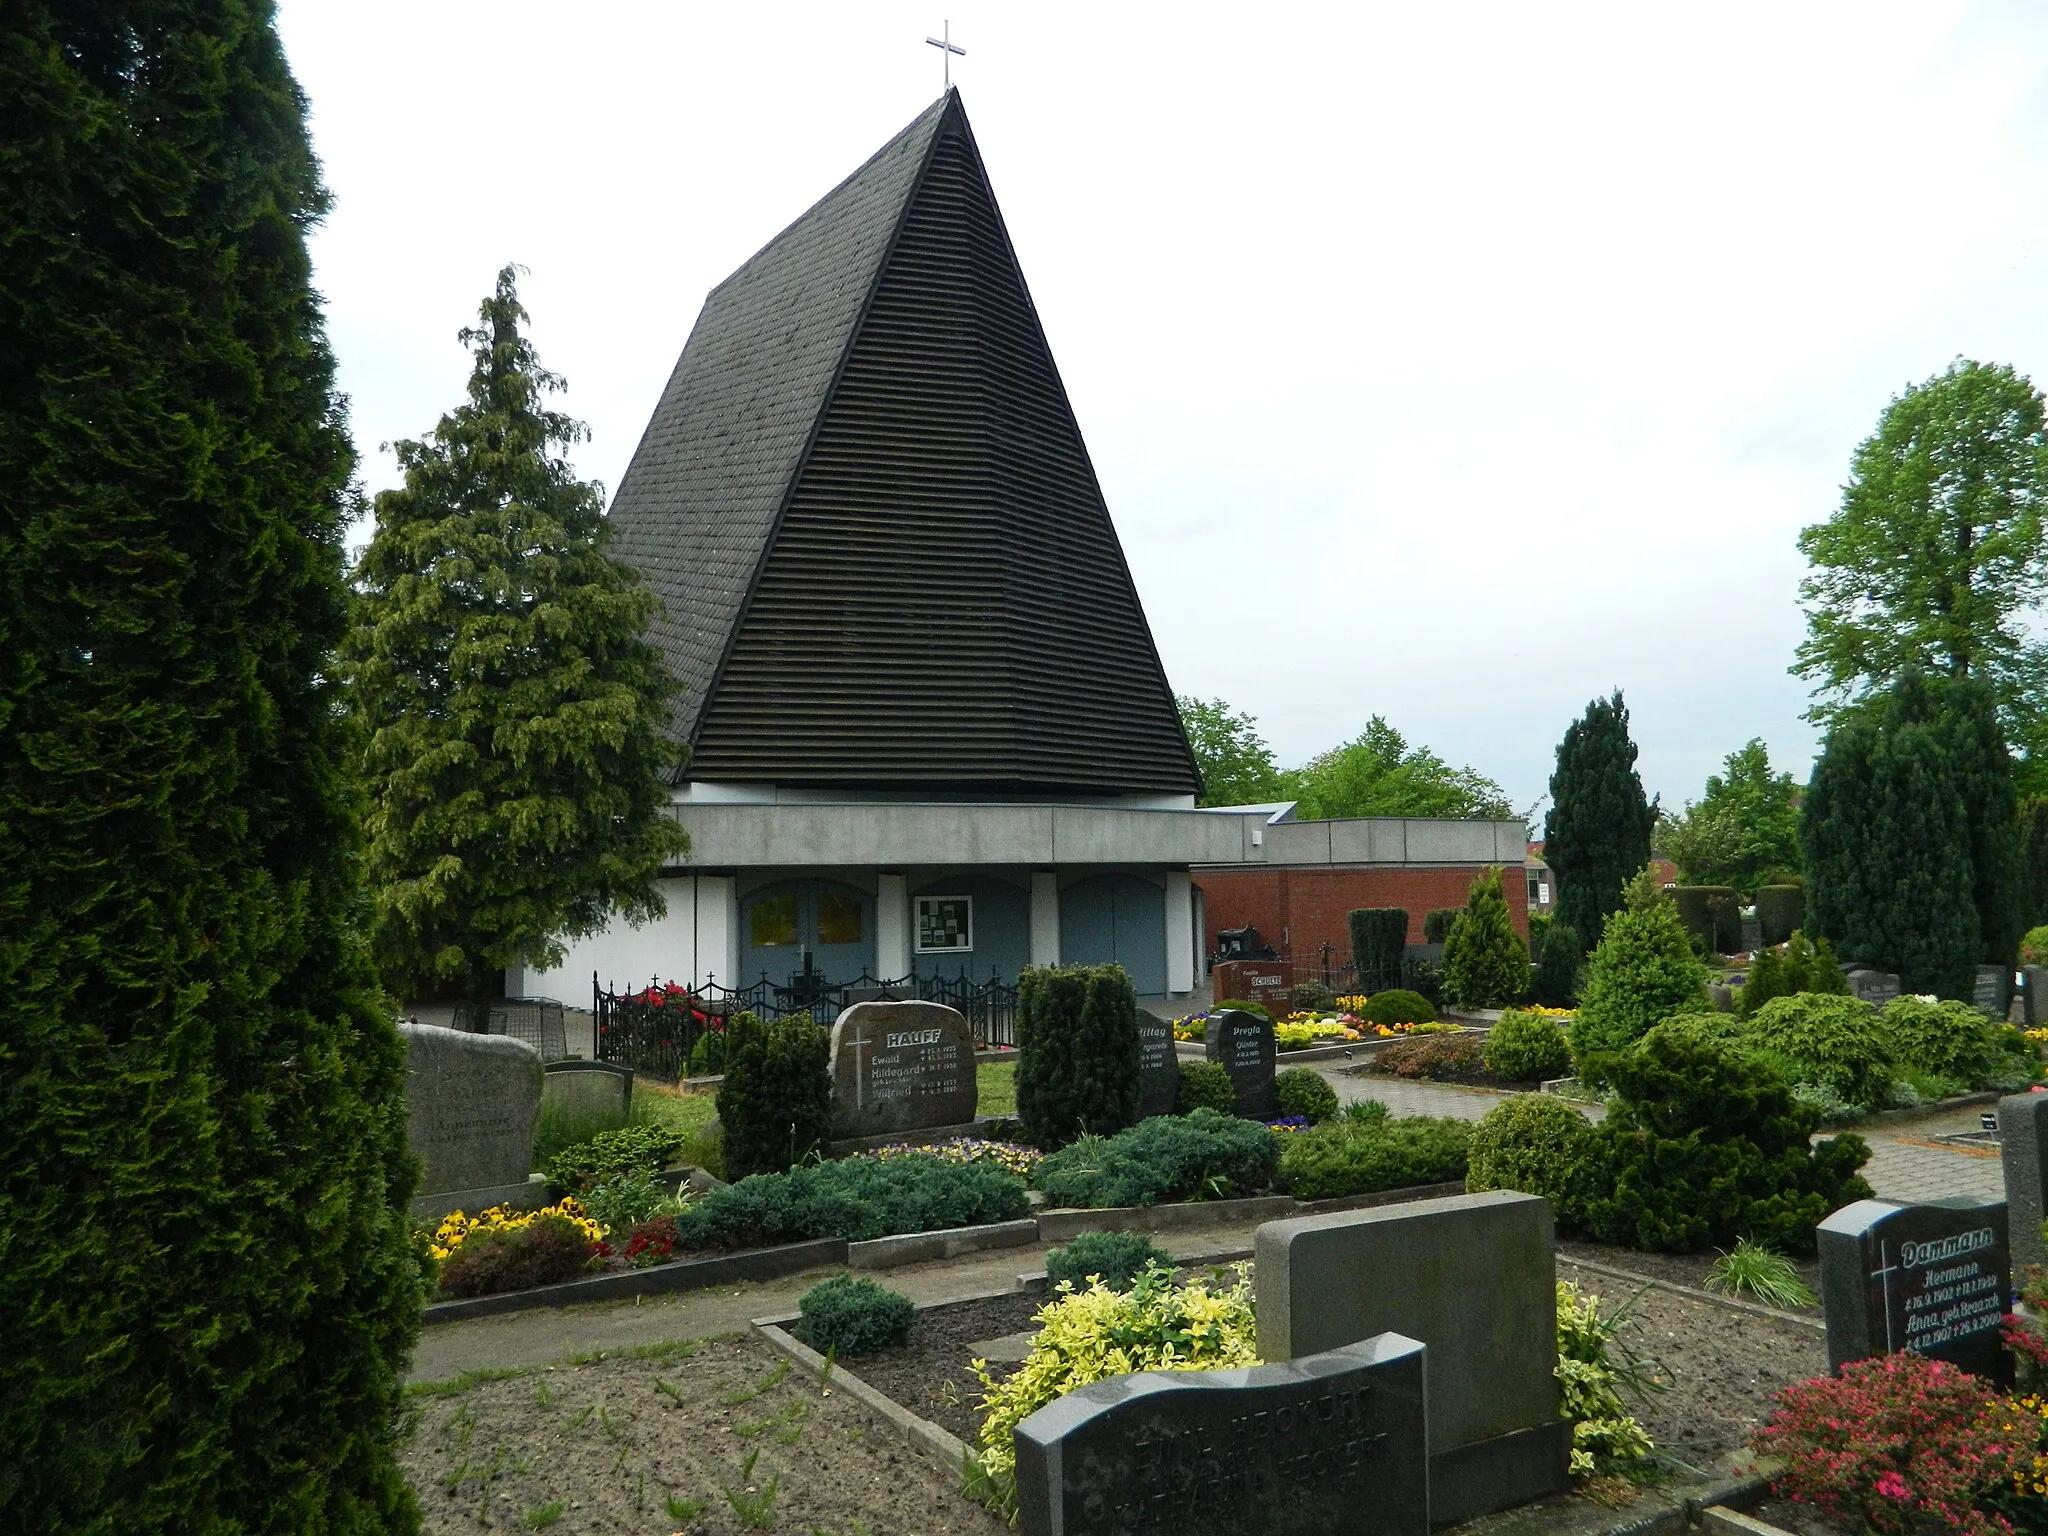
{"points": [[207, 1285], [1598, 832], [1486, 963], [512, 707]]}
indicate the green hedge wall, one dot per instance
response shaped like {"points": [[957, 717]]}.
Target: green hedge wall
{"points": [[1379, 937], [1782, 911]]}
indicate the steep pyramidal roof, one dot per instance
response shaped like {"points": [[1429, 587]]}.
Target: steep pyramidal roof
{"points": [[883, 557]]}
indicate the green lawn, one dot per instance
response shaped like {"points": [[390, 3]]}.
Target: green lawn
{"points": [[995, 1088]]}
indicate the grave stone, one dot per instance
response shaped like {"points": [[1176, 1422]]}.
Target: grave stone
{"points": [[1990, 994], [1243, 1044], [1331, 1442], [900, 1067], [2034, 984], [2023, 1148], [1874, 987], [471, 1102], [1474, 1277], [597, 1094], [1752, 935], [1933, 1278], [1158, 1067], [1266, 982]]}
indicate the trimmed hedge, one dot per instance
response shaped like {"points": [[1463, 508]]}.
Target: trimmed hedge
{"points": [[1530, 1143], [1437, 923], [856, 1198], [1399, 1006], [1379, 938], [1077, 1052], [1527, 1047], [1164, 1158], [775, 1105], [1781, 910], [1306, 1092], [1358, 1157]]}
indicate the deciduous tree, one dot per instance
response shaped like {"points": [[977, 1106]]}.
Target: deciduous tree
{"points": [[1237, 765], [1742, 831], [1379, 774]]}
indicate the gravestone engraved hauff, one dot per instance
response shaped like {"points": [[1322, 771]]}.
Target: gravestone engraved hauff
{"points": [[1474, 1277], [1158, 1067], [2023, 1149], [900, 1067], [1333, 1442], [1933, 1278], [471, 1102], [1242, 1043]]}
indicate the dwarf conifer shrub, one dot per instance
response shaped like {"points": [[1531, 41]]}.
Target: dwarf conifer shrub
{"points": [[1114, 1258], [1532, 1142], [546, 1251], [1796, 967], [1164, 1158], [1558, 957], [1486, 963], [857, 1198], [1399, 1006], [1305, 1092], [1643, 971], [852, 1315], [1702, 1146], [775, 1104], [1837, 1043], [1077, 1044], [1780, 911], [1207, 1085], [1357, 1157], [1379, 938], [1527, 1047]]}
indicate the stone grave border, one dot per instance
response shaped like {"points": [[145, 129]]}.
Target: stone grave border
{"points": [[1192, 1050], [1661, 1509]]}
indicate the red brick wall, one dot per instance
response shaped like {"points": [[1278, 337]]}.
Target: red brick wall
{"points": [[1297, 911]]}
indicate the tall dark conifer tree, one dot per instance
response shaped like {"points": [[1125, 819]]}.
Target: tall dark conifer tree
{"points": [[207, 1289], [1598, 831], [2033, 877]]}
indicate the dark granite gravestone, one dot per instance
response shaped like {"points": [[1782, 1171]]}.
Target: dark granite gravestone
{"points": [[1933, 1278], [1472, 1276], [1992, 992], [2034, 984], [1752, 935], [1158, 1067], [2023, 1148], [1876, 987], [1243, 1044], [1333, 1442], [900, 1067]]}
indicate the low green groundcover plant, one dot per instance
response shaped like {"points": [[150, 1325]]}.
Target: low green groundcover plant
{"points": [[856, 1198], [1527, 1047], [1305, 1092], [1356, 1157], [852, 1315], [1089, 1335], [1114, 1258], [626, 1199], [1440, 1057], [578, 1169], [1165, 1158], [1770, 1277], [1531, 1143], [545, 1251], [1397, 1005], [1206, 1085]]}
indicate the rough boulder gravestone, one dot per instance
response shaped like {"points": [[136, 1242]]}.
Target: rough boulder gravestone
{"points": [[471, 1101], [1242, 1043], [1331, 1443], [900, 1067], [1474, 1277], [1158, 1067], [1934, 1278]]}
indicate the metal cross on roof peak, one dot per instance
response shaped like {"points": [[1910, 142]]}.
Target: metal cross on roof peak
{"points": [[947, 48]]}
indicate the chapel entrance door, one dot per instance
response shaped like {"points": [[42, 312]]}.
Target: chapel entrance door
{"points": [[806, 934]]}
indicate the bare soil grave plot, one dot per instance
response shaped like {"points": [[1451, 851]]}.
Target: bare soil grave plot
{"points": [[1688, 1269], [713, 1438]]}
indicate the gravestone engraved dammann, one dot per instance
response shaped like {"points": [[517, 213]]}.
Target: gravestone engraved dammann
{"points": [[1242, 1043], [1933, 1278], [471, 1102], [900, 1067], [1333, 1442], [1158, 1067]]}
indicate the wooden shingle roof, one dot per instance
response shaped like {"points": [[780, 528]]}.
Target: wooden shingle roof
{"points": [[883, 557]]}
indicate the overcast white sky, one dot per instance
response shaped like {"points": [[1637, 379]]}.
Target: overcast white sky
{"points": [[1452, 363]]}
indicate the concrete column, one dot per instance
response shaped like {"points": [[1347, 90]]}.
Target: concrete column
{"points": [[718, 930], [1045, 917], [1180, 933], [892, 927]]}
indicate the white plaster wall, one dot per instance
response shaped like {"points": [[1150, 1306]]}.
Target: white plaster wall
{"points": [[698, 935], [1180, 932], [1045, 917], [892, 925]]}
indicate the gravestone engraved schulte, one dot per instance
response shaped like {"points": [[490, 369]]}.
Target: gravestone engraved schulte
{"points": [[1242, 1043], [1158, 1067], [1933, 1278], [900, 1067], [471, 1101], [1333, 1442]]}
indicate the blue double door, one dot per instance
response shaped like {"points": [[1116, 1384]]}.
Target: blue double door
{"points": [[1116, 919], [829, 923]]}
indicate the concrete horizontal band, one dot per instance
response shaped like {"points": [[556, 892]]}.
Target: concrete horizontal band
{"points": [[945, 1451], [921, 1247], [1059, 1226], [685, 1275]]}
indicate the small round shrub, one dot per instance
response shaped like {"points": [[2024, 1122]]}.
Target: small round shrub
{"points": [[1311, 997], [1206, 1085], [1531, 1142], [1241, 1006], [1835, 1042], [1526, 1047], [546, 1251], [1434, 1056], [851, 1315], [1305, 1092], [1398, 1006], [1117, 1258]]}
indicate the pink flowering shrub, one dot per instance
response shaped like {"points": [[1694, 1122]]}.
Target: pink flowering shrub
{"points": [[1901, 1444]]}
